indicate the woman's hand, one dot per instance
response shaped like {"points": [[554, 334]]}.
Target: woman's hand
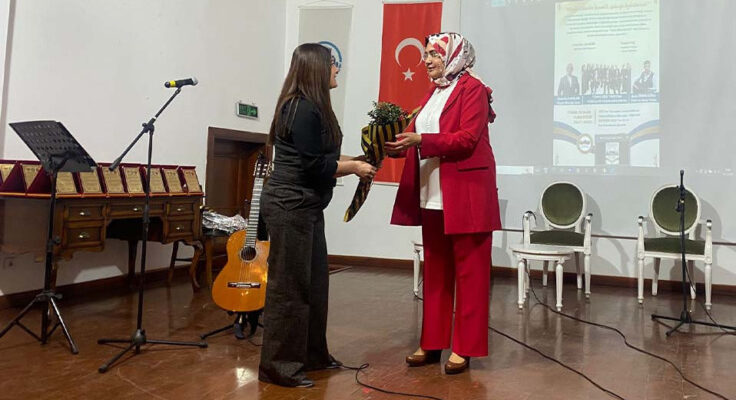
{"points": [[352, 158], [364, 170], [403, 142]]}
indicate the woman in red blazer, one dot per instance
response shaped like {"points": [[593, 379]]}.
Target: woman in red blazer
{"points": [[448, 186]]}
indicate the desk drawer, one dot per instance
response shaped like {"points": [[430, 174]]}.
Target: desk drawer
{"points": [[180, 228], [90, 236], [84, 212], [183, 208], [134, 210]]}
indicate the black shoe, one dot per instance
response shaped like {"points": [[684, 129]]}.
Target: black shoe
{"points": [[302, 383], [334, 364], [305, 383]]}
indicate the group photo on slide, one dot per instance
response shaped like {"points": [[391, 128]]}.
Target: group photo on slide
{"points": [[367, 199]]}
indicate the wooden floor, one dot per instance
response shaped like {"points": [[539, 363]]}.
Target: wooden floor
{"points": [[374, 318]]}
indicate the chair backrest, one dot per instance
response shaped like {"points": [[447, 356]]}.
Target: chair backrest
{"points": [[664, 212], [563, 205]]}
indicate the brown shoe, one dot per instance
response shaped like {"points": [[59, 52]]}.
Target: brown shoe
{"points": [[452, 368], [429, 357]]}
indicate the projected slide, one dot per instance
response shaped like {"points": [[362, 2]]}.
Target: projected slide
{"points": [[606, 89]]}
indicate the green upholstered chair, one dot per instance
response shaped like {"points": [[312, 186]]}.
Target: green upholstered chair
{"points": [[666, 244], [562, 206]]}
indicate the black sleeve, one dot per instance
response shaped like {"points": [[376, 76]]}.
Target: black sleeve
{"points": [[306, 133]]}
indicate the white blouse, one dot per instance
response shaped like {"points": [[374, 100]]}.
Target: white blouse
{"points": [[428, 122]]}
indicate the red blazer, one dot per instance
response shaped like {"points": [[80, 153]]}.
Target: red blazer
{"points": [[467, 165]]}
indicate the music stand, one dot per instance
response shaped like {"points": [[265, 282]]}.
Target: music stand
{"points": [[58, 151]]}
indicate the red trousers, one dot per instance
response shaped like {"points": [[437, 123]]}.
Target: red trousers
{"points": [[456, 266]]}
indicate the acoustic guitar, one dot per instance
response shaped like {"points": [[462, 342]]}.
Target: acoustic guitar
{"points": [[241, 285]]}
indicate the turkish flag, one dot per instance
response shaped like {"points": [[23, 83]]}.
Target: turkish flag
{"points": [[404, 79]]}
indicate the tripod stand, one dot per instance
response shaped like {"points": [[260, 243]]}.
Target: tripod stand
{"points": [[139, 338], [685, 316], [241, 320], [58, 151]]}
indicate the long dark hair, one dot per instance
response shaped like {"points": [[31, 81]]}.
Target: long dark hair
{"points": [[308, 77]]}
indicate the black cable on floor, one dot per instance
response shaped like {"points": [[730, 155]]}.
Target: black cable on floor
{"points": [[626, 342], [534, 349], [363, 367], [541, 353], [366, 365]]}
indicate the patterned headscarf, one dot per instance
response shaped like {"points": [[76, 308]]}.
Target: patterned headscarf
{"points": [[458, 56]]}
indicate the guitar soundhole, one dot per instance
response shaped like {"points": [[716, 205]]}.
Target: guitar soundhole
{"points": [[248, 253]]}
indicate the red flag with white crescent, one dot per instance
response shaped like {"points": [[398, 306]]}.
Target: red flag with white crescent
{"points": [[404, 79]]}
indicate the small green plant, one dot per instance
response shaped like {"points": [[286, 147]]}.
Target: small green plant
{"points": [[384, 113]]}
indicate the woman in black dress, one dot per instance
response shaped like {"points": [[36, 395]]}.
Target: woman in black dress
{"points": [[307, 142]]}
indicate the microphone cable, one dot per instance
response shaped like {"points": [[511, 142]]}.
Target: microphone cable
{"points": [[365, 366], [541, 353], [362, 368], [626, 342]]}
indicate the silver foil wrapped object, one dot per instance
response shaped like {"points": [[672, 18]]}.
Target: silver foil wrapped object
{"points": [[213, 220]]}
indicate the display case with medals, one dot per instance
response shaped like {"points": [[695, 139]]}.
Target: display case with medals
{"points": [[189, 176], [171, 177], [157, 181], [89, 182], [112, 180], [132, 178], [11, 175]]}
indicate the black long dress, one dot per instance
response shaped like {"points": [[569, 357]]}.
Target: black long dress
{"points": [[299, 189]]}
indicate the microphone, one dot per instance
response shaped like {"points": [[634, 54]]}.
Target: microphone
{"points": [[181, 82]]}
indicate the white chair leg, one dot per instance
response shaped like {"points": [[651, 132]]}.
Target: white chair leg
{"points": [[586, 265], [640, 281], [655, 278], [416, 271], [690, 271], [521, 271], [527, 274], [579, 272], [558, 286], [708, 281], [544, 273]]}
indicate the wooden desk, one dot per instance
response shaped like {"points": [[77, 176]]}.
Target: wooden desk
{"points": [[82, 223]]}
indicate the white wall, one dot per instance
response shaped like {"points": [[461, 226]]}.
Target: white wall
{"points": [[99, 67]]}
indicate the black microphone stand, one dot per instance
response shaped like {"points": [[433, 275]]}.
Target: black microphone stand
{"points": [[685, 316], [138, 338]]}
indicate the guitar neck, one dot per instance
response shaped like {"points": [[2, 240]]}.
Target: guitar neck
{"points": [[255, 207]]}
